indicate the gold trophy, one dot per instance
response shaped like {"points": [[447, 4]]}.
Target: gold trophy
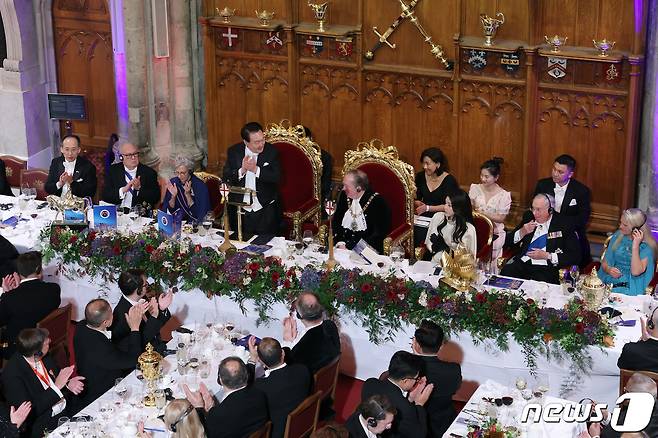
{"points": [[603, 46], [67, 202], [459, 269], [265, 17], [149, 364], [320, 11], [556, 42], [490, 26], [225, 13]]}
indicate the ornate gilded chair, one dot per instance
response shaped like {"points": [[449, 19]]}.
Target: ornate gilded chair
{"points": [[393, 179], [484, 229], [212, 182], [35, 178], [301, 171], [13, 166]]}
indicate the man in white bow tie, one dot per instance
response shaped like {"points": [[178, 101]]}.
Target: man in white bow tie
{"points": [[70, 171], [572, 199], [546, 243]]}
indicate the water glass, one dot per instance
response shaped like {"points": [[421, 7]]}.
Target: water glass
{"points": [[204, 369], [160, 399], [64, 426], [105, 409]]}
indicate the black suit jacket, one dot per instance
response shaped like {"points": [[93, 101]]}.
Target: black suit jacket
{"points": [[149, 329], [285, 389], [267, 184], [8, 255], [84, 177], [410, 420], [651, 430], [564, 241], [20, 384], [317, 348], [240, 414], [100, 361], [378, 222], [353, 426], [25, 306], [578, 214], [149, 191], [447, 378], [5, 188], [639, 356]]}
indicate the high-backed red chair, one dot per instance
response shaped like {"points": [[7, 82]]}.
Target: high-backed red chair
{"points": [[393, 179], [213, 182], [13, 167], [301, 172], [484, 229], [263, 432], [35, 178], [58, 323], [326, 378], [303, 420]]}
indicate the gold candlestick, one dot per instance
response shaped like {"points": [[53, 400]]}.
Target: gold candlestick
{"points": [[226, 246]]}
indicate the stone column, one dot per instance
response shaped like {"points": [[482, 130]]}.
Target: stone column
{"points": [[648, 173]]}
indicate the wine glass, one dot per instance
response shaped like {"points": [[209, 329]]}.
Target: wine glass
{"points": [[121, 390], [397, 254], [307, 238], [574, 273], [207, 225], [63, 426]]}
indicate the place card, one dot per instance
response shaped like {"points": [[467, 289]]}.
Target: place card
{"points": [[504, 283]]}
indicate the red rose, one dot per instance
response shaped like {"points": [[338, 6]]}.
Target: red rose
{"points": [[254, 266], [197, 248], [149, 249], [116, 249], [391, 295], [350, 299], [290, 272], [530, 301], [91, 235], [73, 239], [480, 298], [275, 276], [365, 288], [286, 283], [580, 328], [434, 302]]}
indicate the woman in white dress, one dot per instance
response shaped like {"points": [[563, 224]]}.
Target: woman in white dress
{"points": [[492, 201], [451, 227]]}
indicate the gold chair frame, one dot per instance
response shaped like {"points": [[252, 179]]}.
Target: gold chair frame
{"points": [[491, 229], [375, 151], [285, 132]]}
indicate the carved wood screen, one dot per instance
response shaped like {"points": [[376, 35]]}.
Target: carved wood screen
{"points": [[504, 100], [85, 65]]}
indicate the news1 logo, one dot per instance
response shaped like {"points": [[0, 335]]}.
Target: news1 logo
{"points": [[638, 412]]}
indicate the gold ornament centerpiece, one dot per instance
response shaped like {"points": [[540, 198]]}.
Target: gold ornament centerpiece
{"points": [[265, 17], [66, 202], [225, 13], [490, 26], [594, 291], [459, 269], [556, 41], [149, 364], [320, 12], [603, 46]]}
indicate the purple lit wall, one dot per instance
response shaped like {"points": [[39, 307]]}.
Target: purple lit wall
{"points": [[120, 78]]}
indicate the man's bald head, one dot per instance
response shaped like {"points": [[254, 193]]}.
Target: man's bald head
{"points": [[97, 311], [641, 383], [232, 373], [309, 307], [270, 352]]}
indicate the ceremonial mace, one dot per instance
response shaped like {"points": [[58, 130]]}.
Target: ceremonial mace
{"points": [[383, 37], [437, 50]]}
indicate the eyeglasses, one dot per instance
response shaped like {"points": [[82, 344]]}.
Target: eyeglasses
{"points": [[133, 155]]}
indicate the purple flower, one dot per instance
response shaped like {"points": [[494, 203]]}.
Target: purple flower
{"points": [[310, 278]]}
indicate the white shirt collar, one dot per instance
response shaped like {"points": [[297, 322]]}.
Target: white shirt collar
{"points": [[364, 425], [28, 279], [249, 152], [269, 370], [543, 228], [70, 164], [105, 333], [227, 393], [562, 188], [404, 393], [131, 172], [133, 303]]}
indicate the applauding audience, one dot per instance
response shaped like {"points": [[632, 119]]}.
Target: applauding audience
{"points": [[12, 419], [629, 261], [180, 418], [372, 417], [445, 376], [186, 191], [32, 376], [31, 300], [98, 359], [71, 172], [403, 377]]}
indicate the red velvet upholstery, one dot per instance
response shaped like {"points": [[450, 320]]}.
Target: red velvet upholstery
{"points": [[303, 420], [484, 234], [385, 182], [35, 178], [14, 166], [213, 182], [325, 379], [58, 323], [296, 184]]}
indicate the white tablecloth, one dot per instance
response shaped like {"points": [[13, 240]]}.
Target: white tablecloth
{"points": [[361, 358]]}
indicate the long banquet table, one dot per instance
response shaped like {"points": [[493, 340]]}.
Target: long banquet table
{"points": [[360, 357]]}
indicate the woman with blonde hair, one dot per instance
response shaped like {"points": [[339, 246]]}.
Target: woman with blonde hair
{"points": [[629, 262], [181, 419]]}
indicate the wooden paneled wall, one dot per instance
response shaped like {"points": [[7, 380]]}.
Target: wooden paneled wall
{"points": [[406, 97], [85, 65]]}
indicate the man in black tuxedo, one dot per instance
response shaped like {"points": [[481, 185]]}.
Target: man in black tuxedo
{"points": [[373, 416], [5, 188], [8, 255], [408, 392], [130, 182], [285, 386], [72, 172], [360, 214], [638, 382], [31, 375], [254, 164], [445, 376], [133, 286], [547, 242], [643, 354], [318, 343], [98, 359], [242, 409], [30, 302], [572, 200]]}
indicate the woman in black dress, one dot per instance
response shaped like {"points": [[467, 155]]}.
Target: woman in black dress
{"points": [[433, 184]]}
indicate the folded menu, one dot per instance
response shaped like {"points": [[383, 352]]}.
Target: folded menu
{"points": [[10, 222], [503, 283], [256, 249]]}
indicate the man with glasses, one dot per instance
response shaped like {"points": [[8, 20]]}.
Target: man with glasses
{"points": [[546, 243], [130, 182], [72, 172], [407, 391]]}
